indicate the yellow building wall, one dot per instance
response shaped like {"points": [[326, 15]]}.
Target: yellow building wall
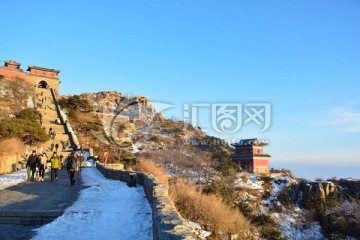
{"points": [[52, 82]]}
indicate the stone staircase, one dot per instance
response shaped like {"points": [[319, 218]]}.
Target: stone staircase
{"points": [[28, 218], [46, 105]]}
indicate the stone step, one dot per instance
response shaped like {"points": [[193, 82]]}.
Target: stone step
{"points": [[49, 116], [57, 128], [28, 218], [47, 113]]}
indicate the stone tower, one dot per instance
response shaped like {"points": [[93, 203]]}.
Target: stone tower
{"points": [[44, 78]]}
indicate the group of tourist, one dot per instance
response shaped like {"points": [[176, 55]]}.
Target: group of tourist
{"points": [[41, 100], [52, 134], [55, 146], [65, 144], [37, 163]]}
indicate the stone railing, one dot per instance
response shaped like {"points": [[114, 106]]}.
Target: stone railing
{"points": [[63, 119], [167, 222]]}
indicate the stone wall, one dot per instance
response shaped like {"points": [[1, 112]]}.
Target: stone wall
{"points": [[51, 81], [167, 222]]}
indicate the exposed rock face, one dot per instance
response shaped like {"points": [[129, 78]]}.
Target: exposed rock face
{"points": [[15, 95], [133, 107], [316, 195], [313, 195], [329, 188], [335, 204], [320, 193], [351, 187]]}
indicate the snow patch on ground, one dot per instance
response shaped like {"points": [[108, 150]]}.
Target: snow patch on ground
{"points": [[89, 163], [347, 208], [244, 197], [292, 222], [12, 179], [293, 226], [278, 184], [107, 209], [196, 229], [251, 182], [135, 149]]}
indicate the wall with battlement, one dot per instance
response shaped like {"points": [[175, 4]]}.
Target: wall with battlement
{"points": [[167, 222]]}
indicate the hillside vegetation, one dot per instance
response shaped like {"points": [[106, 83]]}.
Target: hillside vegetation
{"points": [[26, 126]]}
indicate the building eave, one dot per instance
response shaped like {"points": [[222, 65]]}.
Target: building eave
{"points": [[43, 69]]}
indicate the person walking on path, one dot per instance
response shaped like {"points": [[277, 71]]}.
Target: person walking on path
{"points": [[72, 166], [55, 165], [43, 160], [61, 157], [79, 160], [52, 135], [32, 163], [52, 146], [28, 169], [56, 147], [67, 165]]}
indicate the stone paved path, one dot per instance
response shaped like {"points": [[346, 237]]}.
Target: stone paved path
{"points": [[32, 199]]}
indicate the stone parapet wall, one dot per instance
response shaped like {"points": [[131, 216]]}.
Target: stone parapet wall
{"points": [[167, 222]]}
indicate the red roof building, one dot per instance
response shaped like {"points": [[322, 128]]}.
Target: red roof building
{"points": [[38, 76], [11, 69], [249, 154]]}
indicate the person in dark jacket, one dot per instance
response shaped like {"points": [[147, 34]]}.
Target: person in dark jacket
{"points": [[72, 166], [32, 162]]}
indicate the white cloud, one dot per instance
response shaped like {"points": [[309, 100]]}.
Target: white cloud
{"points": [[346, 119]]}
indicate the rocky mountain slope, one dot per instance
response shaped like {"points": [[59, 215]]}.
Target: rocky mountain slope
{"points": [[15, 95], [280, 203]]}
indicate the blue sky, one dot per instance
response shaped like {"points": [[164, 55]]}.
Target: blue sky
{"points": [[301, 57]]}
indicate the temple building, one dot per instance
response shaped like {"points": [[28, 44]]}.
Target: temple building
{"points": [[38, 76], [11, 69], [249, 154]]}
